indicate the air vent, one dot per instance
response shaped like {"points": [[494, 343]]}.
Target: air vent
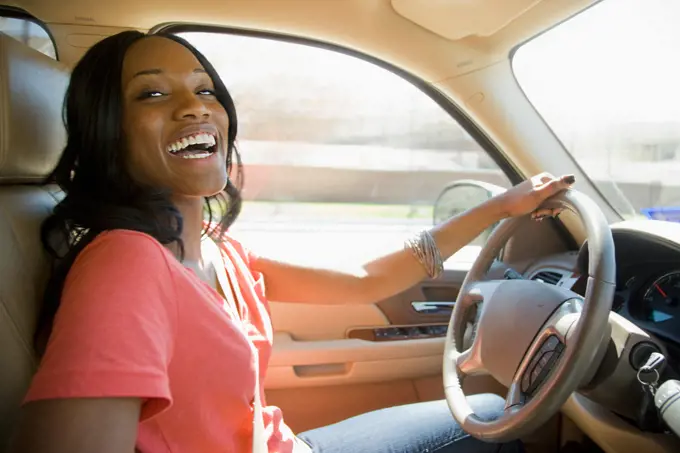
{"points": [[552, 278]]}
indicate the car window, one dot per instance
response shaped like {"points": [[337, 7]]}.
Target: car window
{"points": [[607, 83], [342, 159], [30, 33]]}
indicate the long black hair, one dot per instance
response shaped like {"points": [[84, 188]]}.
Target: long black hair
{"points": [[99, 192]]}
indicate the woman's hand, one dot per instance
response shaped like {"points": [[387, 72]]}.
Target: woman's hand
{"points": [[528, 196]]}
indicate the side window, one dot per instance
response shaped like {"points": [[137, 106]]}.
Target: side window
{"points": [[29, 33], [342, 158]]}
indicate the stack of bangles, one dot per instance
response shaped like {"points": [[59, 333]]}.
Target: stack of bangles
{"points": [[426, 252]]}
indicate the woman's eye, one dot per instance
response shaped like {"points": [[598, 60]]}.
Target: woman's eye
{"points": [[207, 92], [150, 94]]}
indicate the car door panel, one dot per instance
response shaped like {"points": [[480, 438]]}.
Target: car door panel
{"points": [[306, 322], [348, 361], [330, 344], [399, 309]]}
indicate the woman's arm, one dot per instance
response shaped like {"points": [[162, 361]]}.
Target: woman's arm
{"points": [[377, 279], [400, 270], [78, 425], [114, 336]]}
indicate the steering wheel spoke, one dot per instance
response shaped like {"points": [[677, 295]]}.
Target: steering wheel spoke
{"points": [[515, 398], [478, 292], [468, 309], [469, 363]]}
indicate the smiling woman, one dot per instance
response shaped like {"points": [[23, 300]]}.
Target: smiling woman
{"points": [[159, 330], [155, 103], [127, 182]]}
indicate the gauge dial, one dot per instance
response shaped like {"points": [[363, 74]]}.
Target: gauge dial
{"points": [[661, 299]]}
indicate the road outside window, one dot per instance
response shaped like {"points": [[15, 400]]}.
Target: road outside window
{"points": [[343, 159]]}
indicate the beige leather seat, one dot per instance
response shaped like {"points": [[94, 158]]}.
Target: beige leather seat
{"points": [[32, 88]]}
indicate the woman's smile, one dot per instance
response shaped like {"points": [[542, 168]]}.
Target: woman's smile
{"points": [[194, 146], [195, 142], [169, 95]]}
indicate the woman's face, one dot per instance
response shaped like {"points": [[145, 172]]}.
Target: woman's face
{"points": [[175, 129]]}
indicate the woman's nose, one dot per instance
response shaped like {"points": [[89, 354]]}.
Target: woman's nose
{"points": [[189, 105]]}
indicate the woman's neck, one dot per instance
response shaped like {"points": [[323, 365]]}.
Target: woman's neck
{"points": [[191, 209]]}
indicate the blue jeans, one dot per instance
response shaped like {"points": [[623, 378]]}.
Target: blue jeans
{"points": [[413, 428]]}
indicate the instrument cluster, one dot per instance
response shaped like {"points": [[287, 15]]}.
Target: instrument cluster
{"points": [[649, 296]]}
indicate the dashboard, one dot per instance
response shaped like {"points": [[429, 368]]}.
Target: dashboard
{"points": [[648, 276], [647, 284], [647, 302]]}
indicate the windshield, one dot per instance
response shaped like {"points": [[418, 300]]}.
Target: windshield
{"points": [[607, 82]]}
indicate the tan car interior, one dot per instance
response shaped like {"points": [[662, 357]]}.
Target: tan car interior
{"points": [[334, 367], [33, 87]]}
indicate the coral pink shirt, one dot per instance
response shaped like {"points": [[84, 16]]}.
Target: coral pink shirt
{"points": [[134, 322]]}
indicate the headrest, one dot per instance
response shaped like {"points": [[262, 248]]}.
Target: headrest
{"points": [[32, 134]]}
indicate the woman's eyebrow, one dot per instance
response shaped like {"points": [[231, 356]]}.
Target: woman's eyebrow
{"points": [[147, 72], [160, 71]]}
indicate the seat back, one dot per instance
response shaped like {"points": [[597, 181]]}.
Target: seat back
{"points": [[32, 136]]}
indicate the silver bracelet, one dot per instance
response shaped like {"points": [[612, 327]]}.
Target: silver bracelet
{"points": [[426, 252]]}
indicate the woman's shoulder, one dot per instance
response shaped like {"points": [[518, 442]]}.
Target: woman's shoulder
{"points": [[120, 243], [126, 254], [122, 269], [127, 238]]}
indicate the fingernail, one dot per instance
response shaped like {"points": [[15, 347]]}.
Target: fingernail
{"points": [[569, 179]]}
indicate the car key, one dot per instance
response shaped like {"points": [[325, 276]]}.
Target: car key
{"points": [[654, 362], [648, 375], [647, 414]]}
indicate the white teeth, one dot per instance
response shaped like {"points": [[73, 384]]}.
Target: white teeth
{"points": [[197, 155], [197, 139]]}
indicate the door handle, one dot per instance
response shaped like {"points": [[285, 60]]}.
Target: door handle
{"points": [[433, 307]]}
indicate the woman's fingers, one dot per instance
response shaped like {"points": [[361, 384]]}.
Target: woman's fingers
{"points": [[543, 213], [556, 185], [552, 187]]}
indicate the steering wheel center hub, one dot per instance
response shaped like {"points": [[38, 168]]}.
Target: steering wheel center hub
{"points": [[512, 318]]}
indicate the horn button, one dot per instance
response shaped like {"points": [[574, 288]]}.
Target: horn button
{"points": [[522, 328]]}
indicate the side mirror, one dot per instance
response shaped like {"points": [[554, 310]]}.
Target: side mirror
{"points": [[459, 196]]}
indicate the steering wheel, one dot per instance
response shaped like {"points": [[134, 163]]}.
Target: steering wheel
{"points": [[541, 341]]}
